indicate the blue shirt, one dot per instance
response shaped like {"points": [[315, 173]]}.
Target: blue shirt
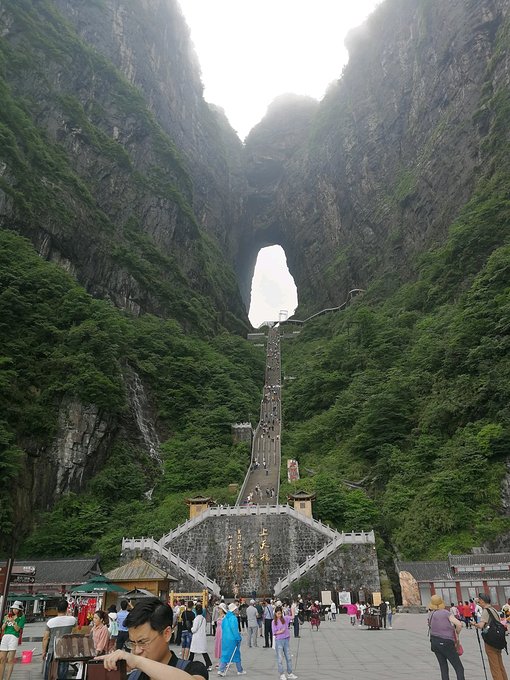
{"points": [[121, 617]]}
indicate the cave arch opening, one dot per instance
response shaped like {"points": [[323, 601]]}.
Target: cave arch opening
{"points": [[273, 290]]}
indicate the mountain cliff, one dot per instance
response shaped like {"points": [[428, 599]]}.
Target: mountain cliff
{"points": [[130, 221], [116, 170], [115, 166], [391, 154]]}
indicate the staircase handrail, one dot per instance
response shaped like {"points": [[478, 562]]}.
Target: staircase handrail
{"points": [[150, 544], [259, 509], [320, 555], [324, 311]]}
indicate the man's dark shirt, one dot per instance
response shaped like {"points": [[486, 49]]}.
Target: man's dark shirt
{"points": [[193, 668]]}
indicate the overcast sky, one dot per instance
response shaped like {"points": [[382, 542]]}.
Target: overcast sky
{"points": [[251, 51]]}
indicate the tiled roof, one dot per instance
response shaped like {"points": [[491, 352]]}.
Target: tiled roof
{"points": [[139, 570], [303, 495], [482, 575], [69, 571], [479, 559], [427, 571]]}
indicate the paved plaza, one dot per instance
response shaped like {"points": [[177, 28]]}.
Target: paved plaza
{"points": [[338, 650]]}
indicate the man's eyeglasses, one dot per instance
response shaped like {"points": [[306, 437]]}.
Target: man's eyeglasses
{"points": [[140, 644]]}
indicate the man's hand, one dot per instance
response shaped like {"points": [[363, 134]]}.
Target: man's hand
{"points": [[110, 660]]}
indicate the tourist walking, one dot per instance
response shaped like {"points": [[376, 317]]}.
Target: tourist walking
{"points": [[295, 618], [268, 620], [444, 630], [383, 612], [315, 615], [113, 627], [188, 617], [215, 616], [121, 618], [253, 626], [12, 628], [281, 633], [59, 625], [230, 642], [242, 614], [333, 611], [222, 610], [199, 637], [494, 655], [352, 611], [390, 616], [260, 618]]}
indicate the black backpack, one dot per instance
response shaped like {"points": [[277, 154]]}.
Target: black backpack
{"points": [[494, 633]]}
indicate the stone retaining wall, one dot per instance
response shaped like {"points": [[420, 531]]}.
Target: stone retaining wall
{"points": [[247, 554]]}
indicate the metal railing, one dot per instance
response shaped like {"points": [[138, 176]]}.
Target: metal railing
{"points": [[299, 322]]}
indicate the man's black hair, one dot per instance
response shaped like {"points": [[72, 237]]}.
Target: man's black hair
{"points": [[124, 604], [198, 609], [62, 606], [150, 610]]}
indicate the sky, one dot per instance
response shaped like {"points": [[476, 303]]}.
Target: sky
{"points": [[251, 51]]}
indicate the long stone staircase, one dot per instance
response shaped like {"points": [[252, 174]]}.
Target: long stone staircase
{"points": [[262, 482], [243, 553]]}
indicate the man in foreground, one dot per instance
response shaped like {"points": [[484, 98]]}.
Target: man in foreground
{"points": [[149, 626]]}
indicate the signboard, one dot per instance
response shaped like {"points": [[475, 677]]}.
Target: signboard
{"points": [[344, 598], [25, 569], [292, 470], [22, 579], [326, 597]]}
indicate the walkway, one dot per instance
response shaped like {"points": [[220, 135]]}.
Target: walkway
{"points": [[262, 483], [338, 650]]}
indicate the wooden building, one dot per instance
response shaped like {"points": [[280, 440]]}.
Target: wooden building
{"points": [[456, 579], [141, 575]]}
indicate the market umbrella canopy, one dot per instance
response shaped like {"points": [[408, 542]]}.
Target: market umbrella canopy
{"points": [[98, 584]]}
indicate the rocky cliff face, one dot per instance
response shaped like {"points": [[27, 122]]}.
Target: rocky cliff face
{"points": [[115, 167], [391, 154], [116, 160]]}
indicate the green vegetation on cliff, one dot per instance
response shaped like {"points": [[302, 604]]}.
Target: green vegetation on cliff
{"points": [[59, 343], [88, 168], [409, 395]]}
